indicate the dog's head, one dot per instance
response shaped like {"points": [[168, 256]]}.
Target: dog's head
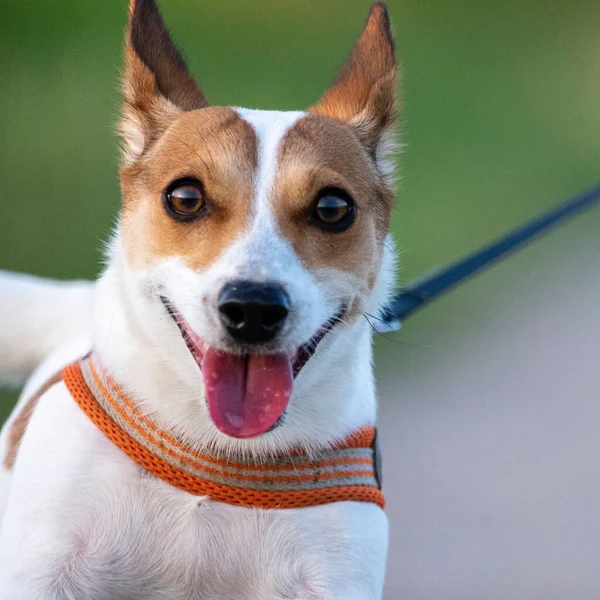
{"points": [[259, 232]]}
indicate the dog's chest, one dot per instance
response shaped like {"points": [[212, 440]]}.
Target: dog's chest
{"points": [[159, 543]]}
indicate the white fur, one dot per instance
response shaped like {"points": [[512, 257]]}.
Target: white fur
{"points": [[84, 522]]}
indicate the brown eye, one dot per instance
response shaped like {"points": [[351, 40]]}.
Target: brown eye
{"points": [[185, 199], [333, 210]]}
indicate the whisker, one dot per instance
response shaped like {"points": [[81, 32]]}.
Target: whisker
{"points": [[383, 335]]}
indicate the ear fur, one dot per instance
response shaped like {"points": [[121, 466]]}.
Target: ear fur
{"points": [[364, 93], [156, 82]]}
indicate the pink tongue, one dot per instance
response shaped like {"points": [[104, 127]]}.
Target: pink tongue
{"points": [[246, 394]]}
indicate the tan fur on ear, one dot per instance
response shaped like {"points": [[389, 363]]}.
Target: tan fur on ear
{"points": [[156, 82], [364, 92]]}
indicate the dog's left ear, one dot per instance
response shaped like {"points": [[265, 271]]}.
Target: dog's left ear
{"points": [[364, 92], [156, 82]]}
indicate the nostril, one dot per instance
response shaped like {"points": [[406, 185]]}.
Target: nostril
{"points": [[234, 313], [273, 316]]}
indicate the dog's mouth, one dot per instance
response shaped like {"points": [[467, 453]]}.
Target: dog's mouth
{"points": [[247, 394]]}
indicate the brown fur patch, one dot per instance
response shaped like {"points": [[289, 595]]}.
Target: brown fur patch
{"points": [[19, 425], [213, 145], [316, 153]]}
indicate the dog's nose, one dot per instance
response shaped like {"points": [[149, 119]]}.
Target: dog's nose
{"points": [[252, 312]]}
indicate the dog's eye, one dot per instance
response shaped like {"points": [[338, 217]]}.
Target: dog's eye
{"points": [[333, 210], [184, 199]]}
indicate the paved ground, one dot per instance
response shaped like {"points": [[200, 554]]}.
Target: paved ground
{"points": [[492, 450]]}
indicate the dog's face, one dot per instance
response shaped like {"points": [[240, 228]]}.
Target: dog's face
{"points": [[258, 231]]}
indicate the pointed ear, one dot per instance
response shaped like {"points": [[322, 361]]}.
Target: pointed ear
{"points": [[156, 81], [364, 92]]}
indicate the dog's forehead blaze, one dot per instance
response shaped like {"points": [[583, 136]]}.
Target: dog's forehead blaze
{"points": [[214, 145], [319, 152]]}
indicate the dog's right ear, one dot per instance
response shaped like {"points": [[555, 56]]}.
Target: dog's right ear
{"points": [[156, 82]]}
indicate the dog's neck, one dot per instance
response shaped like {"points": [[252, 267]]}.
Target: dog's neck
{"points": [[143, 350]]}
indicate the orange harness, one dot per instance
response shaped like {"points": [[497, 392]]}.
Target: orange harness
{"points": [[346, 471]]}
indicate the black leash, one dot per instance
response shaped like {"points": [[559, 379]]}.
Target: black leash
{"points": [[409, 300]]}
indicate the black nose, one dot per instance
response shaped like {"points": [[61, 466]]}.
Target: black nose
{"points": [[253, 312]]}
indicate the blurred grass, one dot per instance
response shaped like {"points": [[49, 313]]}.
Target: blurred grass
{"points": [[501, 119]]}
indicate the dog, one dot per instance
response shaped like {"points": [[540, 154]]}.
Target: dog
{"points": [[199, 422]]}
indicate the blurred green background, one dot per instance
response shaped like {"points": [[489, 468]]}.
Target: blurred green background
{"points": [[500, 117], [500, 121]]}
